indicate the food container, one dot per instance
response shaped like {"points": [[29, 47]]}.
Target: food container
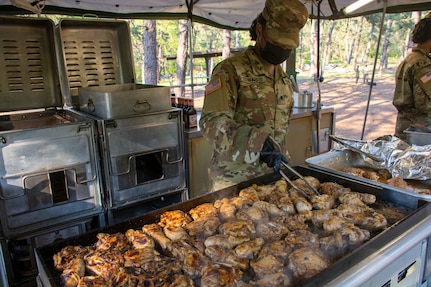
{"points": [[337, 161], [303, 100], [122, 100], [417, 137]]}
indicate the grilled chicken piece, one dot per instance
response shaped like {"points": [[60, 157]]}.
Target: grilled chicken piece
{"points": [[253, 212], [278, 248], [139, 239], [302, 238], [178, 280], [319, 216], [274, 280], [271, 230], [127, 277], [241, 201], [219, 254], [350, 197], [306, 262], [250, 248], [270, 208], [156, 233], [354, 234], [281, 186], [218, 274], [286, 204], [68, 253], [302, 204], [174, 218], [267, 265], [93, 281], [323, 201], [140, 257], [117, 241], [203, 226], [333, 188], [104, 263], [74, 270], [334, 223], [333, 245], [226, 241], [400, 183], [368, 219], [226, 209], [175, 233], [203, 210], [250, 193], [237, 227], [292, 222], [314, 182], [347, 209]]}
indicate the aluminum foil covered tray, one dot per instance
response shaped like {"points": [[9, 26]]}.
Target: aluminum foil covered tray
{"points": [[352, 165], [401, 211]]}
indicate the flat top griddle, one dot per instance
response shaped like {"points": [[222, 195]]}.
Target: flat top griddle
{"points": [[412, 209]]}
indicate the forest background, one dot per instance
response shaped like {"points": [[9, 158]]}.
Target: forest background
{"points": [[344, 51]]}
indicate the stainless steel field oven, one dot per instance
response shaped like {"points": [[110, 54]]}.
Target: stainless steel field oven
{"points": [[49, 170], [140, 134]]}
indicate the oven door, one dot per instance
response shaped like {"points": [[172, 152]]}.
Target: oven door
{"points": [[48, 174], [144, 156]]}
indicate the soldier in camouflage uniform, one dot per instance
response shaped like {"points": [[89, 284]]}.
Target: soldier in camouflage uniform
{"points": [[412, 96], [250, 97]]}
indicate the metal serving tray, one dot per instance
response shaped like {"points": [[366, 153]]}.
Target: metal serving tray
{"points": [[417, 137], [418, 210], [123, 100], [93, 53], [335, 161]]}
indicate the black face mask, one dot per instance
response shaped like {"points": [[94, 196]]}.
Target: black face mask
{"points": [[274, 54]]}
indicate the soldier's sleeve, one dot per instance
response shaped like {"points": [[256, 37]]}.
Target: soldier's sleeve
{"points": [[422, 90], [235, 142], [403, 94]]}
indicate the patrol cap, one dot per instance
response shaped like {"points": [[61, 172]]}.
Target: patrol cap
{"points": [[284, 20]]}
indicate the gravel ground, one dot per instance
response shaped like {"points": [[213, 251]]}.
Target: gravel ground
{"points": [[349, 101]]}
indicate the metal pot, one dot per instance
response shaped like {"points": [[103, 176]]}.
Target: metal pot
{"points": [[303, 100]]}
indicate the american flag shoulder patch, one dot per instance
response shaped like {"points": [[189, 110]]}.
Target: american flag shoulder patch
{"points": [[426, 78], [213, 86]]}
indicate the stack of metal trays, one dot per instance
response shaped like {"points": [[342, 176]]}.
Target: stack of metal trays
{"points": [[339, 162]]}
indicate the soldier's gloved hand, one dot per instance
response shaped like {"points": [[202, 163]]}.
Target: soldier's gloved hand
{"points": [[271, 154]]}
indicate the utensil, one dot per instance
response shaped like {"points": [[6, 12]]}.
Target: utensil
{"points": [[349, 146]]}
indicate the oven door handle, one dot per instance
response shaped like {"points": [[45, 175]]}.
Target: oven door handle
{"points": [[24, 179]]}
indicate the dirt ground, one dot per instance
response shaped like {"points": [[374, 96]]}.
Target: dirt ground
{"points": [[349, 101]]}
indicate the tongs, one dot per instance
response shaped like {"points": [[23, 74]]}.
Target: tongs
{"points": [[301, 177], [277, 146], [349, 146]]}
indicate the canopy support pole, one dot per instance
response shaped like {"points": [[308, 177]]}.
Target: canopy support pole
{"points": [[385, 3], [318, 79], [190, 16]]}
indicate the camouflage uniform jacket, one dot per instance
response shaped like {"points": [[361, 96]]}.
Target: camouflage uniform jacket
{"points": [[246, 100], [412, 96]]}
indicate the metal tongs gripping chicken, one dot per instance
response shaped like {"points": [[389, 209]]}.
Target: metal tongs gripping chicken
{"points": [[284, 163]]}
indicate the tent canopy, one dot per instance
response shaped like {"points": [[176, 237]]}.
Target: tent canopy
{"points": [[220, 13]]}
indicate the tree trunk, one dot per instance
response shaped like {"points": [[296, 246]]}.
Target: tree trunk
{"points": [[151, 69], [180, 81], [327, 51], [365, 70], [384, 57], [358, 43], [313, 49], [226, 43]]}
